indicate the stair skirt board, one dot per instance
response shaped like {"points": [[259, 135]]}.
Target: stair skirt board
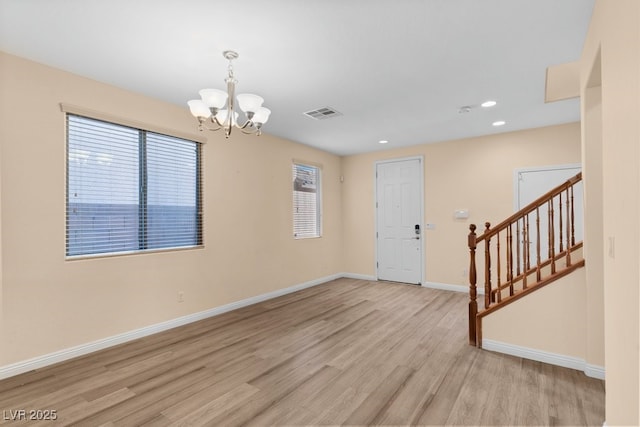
{"points": [[578, 364]]}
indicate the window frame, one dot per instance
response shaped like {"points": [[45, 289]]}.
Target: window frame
{"points": [[318, 200], [143, 172]]}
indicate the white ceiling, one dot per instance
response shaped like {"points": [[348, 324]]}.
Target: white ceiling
{"points": [[397, 70]]}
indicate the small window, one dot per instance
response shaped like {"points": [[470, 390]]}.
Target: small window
{"points": [[306, 201], [130, 190]]}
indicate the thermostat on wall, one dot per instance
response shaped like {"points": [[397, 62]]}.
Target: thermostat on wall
{"points": [[461, 213]]}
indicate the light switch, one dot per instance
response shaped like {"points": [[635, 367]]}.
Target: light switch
{"points": [[461, 213], [612, 247]]}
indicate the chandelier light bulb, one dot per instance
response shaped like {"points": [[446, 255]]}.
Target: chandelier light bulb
{"points": [[249, 103], [224, 114], [199, 108], [214, 98], [261, 116]]}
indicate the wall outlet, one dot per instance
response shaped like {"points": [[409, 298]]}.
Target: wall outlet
{"points": [[180, 296], [465, 272]]}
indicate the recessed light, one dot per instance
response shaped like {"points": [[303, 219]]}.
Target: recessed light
{"points": [[383, 141], [499, 123], [487, 104]]}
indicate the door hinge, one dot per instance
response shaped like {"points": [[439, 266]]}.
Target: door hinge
{"points": [[377, 264], [376, 234]]}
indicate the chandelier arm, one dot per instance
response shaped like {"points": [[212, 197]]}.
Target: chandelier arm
{"points": [[212, 121], [247, 124], [202, 125], [252, 131], [215, 121], [212, 129]]}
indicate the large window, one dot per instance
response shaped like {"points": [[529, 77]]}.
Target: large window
{"points": [[130, 189], [306, 201]]}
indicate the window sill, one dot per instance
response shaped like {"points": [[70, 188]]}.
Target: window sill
{"points": [[129, 253]]}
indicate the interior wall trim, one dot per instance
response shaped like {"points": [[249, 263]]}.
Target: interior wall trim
{"points": [[454, 288], [571, 362], [360, 277], [83, 349]]}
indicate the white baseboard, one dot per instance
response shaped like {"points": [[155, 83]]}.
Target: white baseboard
{"points": [[80, 350], [360, 277], [431, 285], [448, 287], [546, 357], [594, 371]]}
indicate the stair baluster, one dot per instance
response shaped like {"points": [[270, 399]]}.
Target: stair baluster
{"points": [[487, 268], [518, 279]]}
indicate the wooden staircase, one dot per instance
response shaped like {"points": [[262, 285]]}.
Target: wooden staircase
{"points": [[532, 248]]}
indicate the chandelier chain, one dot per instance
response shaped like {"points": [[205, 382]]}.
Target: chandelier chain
{"points": [[230, 68]]}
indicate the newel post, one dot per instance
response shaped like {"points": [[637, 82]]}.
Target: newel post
{"points": [[473, 294]]}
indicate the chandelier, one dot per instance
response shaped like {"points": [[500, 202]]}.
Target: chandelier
{"points": [[215, 109]]}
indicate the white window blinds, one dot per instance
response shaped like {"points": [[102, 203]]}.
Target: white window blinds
{"points": [[130, 189], [306, 201]]}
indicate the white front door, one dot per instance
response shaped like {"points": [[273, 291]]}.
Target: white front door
{"points": [[533, 183], [399, 220]]}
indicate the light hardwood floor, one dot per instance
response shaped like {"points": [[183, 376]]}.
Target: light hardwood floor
{"points": [[345, 352]]}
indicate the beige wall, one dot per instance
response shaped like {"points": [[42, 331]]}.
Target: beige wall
{"points": [[551, 319], [475, 173], [2, 320], [613, 40], [50, 304], [248, 245], [593, 238]]}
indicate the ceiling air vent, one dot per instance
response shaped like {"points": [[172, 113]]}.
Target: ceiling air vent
{"points": [[322, 113]]}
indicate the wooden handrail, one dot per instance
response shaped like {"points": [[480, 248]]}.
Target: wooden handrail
{"points": [[513, 265], [531, 207]]}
